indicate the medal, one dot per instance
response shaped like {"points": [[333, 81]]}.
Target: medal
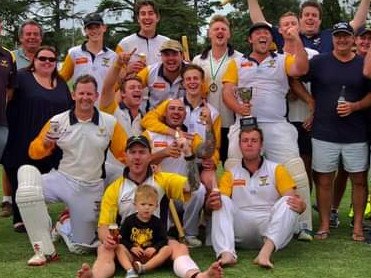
{"points": [[213, 87]]}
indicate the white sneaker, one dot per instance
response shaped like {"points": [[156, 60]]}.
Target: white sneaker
{"points": [[193, 241]]}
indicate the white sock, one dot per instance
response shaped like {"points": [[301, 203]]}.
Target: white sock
{"points": [[7, 199]]}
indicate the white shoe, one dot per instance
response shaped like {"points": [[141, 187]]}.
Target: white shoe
{"points": [[54, 233], [193, 241]]}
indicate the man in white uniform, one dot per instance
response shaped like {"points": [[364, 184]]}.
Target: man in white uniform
{"points": [[258, 206], [83, 134], [266, 73]]}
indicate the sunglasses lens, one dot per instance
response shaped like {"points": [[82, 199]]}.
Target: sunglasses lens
{"points": [[44, 59]]}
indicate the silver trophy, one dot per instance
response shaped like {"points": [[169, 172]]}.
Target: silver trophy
{"points": [[245, 94]]}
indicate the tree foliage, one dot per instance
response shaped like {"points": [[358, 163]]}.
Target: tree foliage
{"points": [[240, 19]]}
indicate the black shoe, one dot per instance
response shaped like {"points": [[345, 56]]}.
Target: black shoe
{"points": [[19, 228]]}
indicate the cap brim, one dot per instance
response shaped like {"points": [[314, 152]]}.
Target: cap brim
{"points": [[93, 22], [343, 31], [131, 144]]}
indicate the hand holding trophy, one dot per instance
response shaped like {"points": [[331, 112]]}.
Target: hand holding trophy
{"points": [[245, 94]]}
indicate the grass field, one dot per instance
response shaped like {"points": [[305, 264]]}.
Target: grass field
{"points": [[336, 257]]}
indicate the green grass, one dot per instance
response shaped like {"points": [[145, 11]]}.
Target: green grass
{"points": [[336, 257]]}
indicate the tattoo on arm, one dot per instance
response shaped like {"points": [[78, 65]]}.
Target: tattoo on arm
{"points": [[193, 175], [207, 148]]}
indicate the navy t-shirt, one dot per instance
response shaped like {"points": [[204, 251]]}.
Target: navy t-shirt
{"points": [[322, 42], [327, 76]]}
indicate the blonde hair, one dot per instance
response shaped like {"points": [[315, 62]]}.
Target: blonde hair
{"points": [[145, 191], [219, 18]]}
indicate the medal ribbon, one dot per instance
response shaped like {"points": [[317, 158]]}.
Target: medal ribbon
{"points": [[213, 76]]}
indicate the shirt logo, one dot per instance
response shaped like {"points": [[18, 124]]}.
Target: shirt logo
{"points": [[247, 64], [105, 62], [4, 63], [160, 144], [272, 64], [239, 182], [263, 181], [159, 86], [81, 60]]}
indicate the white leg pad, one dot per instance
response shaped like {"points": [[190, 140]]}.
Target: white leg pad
{"points": [[296, 169], [183, 264], [31, 203]]}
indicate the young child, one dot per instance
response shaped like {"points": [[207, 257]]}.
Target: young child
{"points": [[143, 237]]}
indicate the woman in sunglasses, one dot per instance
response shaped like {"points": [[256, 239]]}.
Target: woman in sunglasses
{"points": [[39, 94]]}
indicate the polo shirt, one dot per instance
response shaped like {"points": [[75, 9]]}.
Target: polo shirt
{"points": [[80, 61], [269, 82], [21, 59], [259, 190], [119, 196], [216, 98], [83, 144], [149, 46], [159, 87], [322, 42]]}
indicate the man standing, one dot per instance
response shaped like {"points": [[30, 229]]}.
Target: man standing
{"points": [[92, 57], [213, 61], [258, 206], [146, 42], [310, 18], [163, 79], [83, 135], [339, 125], [8, 70], [266, 73], [30, 36]]}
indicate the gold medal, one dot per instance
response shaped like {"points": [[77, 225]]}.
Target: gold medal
{"points": [[213, 87]]}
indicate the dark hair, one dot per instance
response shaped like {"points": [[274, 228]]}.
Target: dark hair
{"points": [[31, 67], [142, 3], [192, 67], [128, 78], [85, 79], [311, 3], [30, 22], [255, 128]]}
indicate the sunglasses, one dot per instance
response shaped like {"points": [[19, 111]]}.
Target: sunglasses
{"points": [[44, 59]]}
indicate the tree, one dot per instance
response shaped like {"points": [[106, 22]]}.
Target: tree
{"points": [[13, 13], [332, 13], [50, 14], [240, 19]]}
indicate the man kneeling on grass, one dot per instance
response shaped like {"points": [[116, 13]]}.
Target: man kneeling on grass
{"points": [[119, 198]]}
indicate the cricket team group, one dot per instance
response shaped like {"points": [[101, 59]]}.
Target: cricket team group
{"points": [[147, 139]]}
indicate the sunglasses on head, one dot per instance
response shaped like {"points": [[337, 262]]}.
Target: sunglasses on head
{"points": [[44, 59]]}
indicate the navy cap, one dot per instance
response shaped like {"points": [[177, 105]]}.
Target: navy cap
{"points": [[363, 30], [258, 25], [93, 18], [138, 139], [342, 27]]}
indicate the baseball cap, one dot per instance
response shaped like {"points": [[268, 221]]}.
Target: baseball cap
{"points": [[342, 27], [92, 18], [171, 45], [258, 25], [138, 139], [363, 30]]}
